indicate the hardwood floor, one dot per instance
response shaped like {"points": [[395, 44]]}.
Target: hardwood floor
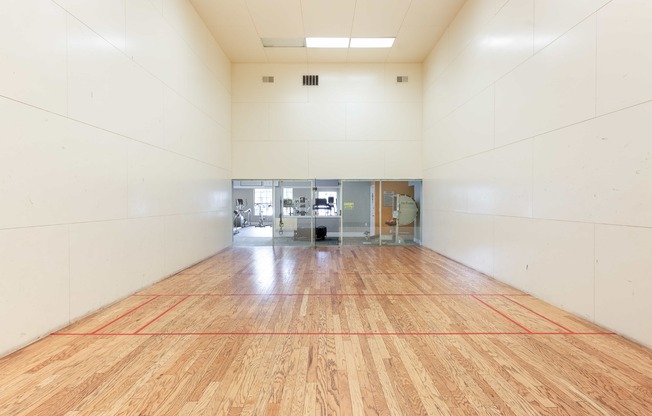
{"points": [[349, 331]]}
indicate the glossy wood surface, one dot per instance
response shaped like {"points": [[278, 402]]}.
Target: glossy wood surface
{"points": [[349, 331]]}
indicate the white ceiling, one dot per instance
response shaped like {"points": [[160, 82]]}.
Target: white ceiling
{"points": [[238, 26]]}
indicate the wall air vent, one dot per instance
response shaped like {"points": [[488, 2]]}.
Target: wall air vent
{"points": [[402, 78], [268, 80], [311, 80]]}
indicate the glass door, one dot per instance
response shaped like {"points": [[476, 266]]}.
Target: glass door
{"points": [[399, 211], [253, 212], [359, 213], [326, 209], [294, 222]]}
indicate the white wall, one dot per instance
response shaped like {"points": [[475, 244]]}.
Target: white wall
{"points": [[537, 152], [358, 123], [115, 154]]}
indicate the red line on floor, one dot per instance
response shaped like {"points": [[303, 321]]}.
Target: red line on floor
{"points": [[125, 314], [324, 333], [161, 314], [336, 294], [501, 314], [539, 315]]}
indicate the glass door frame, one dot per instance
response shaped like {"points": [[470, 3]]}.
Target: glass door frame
{"points": [[333, 218], [292, 214]]}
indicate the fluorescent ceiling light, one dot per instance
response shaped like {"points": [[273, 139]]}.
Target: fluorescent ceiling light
{"points": [[327, 42], [283, 42], [372, 42]]}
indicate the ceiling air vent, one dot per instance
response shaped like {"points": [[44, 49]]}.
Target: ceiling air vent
{"points": [[311, 80], [402, 78], [268, 80]]}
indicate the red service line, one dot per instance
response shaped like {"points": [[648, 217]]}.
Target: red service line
{"points": [[125, 314], [161, 314], [539, 315], [327, 333], [502, 314], [334, 294], [154, 297]]}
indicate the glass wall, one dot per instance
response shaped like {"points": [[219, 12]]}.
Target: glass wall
{"points": [[325, 212], [359, 224], [399, 212], [252, 212], [294, 223], [326, 209]]}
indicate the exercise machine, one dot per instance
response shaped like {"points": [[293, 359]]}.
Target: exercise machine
{"points": [[239, 220], [301, 206], [404, 212], [261, 215]]}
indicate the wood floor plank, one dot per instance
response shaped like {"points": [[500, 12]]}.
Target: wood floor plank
{"points": [[329, 331]]}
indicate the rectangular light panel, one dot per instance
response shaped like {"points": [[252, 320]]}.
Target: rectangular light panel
{"points": [[327, 42], [372, 42]]}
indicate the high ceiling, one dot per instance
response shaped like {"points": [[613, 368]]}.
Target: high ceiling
{"points": [[239, 25]]}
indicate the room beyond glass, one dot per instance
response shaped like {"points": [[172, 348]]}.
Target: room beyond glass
{"points": [[326, 212]]}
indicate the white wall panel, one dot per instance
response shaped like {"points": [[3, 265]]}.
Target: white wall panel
{"points": [[222, 103], [439, 103], [438, 60], [306, 121], [552, 18], [108, 90], [564, 140], [33, 53], [152, 43], [500, 4], [410, 91], [552, 260], [346, 159], [105, 17], [200, 87], [57, 170], [344, 128], [164, 183], [183, 17], [248, 86], [466, 238], [553, 89], [33, 283], [504, 43], [597, 171], [190, 238], [431, 148], [623, 287], [402, 160], [158, 5], [148, 134], [624, 56], [250, 121], [112, 259], [190, 132], [449, 188], [497, 182], [278, 159], [467, 131], [383, 121], [223, 149], [352, 83], [470, 20]]}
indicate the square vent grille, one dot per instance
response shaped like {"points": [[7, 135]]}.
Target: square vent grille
{"points": [[268, 79], [311, 80], [402, 78]]}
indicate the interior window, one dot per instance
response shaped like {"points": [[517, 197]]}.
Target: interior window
{"points": [[263, 200]]}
